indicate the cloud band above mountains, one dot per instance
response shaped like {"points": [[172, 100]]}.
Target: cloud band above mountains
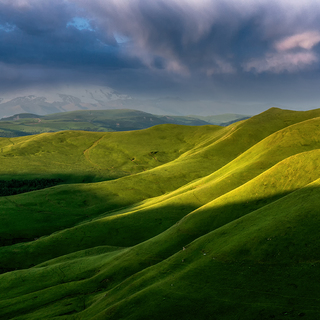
{"points": [[158, 40]]}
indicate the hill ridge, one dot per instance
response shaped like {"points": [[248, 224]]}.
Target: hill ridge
{"points": [[95, 120]]}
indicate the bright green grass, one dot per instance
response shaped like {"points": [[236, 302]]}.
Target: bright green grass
{"points": [[85, 200], [211, 266], [224, 227], [99, 155]]}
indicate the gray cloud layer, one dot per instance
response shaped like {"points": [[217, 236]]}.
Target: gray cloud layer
{"points": [[214, 36], [214, 47]]}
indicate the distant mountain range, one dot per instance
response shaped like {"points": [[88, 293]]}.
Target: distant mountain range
{"points": [[73, 98], [54, 100], [101, 120]]}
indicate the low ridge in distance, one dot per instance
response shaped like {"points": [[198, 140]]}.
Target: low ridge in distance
{"points": [[101, 121]]}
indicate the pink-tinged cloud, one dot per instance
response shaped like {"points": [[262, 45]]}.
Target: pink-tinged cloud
{"points": [[306, 40], [175, 66], [282, 62], [220, 67]]}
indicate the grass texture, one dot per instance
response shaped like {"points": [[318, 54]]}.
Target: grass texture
{"points": [[173, 222]]}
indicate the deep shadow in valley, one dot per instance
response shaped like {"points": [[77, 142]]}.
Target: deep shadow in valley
{"points": [[122, 230]]}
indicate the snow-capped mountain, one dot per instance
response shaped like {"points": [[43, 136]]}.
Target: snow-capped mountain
{"points": [[61, 99], [71, 98]]}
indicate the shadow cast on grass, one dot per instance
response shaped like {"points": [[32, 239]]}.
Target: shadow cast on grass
{"points": [[173, 260], [176, 224]]}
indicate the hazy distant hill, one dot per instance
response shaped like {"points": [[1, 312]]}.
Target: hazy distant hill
{"points": [[170, 222], [53, 100], [44, 101], [222, 119], [93, 120]]}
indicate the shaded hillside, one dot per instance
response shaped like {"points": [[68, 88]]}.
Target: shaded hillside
{"points": [[89, 120], [181, 222]]}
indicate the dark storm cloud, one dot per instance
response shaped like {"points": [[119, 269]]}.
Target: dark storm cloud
{"points": [[41, 33], [214, 36], [214, 46], [180, 36], [52, 41]]}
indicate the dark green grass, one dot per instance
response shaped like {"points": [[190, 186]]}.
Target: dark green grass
{"points": [[223, 226], [14, 186], [208, 266]]}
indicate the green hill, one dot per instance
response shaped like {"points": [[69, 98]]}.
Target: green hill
{"points": [[174, 222]]}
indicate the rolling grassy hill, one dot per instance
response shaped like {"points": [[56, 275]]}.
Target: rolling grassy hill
{"points": [[171, 222]]}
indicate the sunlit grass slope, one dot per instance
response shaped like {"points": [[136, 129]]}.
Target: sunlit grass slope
{"points": [[196, 223], [100, 156]]}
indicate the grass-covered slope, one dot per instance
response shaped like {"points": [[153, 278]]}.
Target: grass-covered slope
{"points": [[100, 156], [196, 223]]}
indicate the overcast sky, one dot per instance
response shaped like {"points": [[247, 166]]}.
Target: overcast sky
{"points": [[258, 53]]}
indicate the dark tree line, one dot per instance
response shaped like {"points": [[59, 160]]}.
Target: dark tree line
{"points": [[14, 186]]}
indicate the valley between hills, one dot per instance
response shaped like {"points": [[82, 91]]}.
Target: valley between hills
{"points": [[168, 222]]}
